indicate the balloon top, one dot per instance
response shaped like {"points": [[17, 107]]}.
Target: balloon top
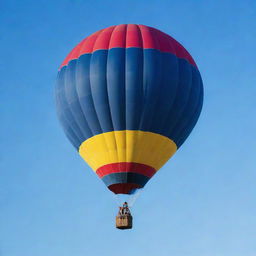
{"points": [[127, 36]]}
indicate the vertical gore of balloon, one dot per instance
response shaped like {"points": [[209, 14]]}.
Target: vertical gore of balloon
{"points": [[127, 97]]}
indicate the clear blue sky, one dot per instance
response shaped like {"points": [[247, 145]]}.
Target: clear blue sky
{"points": [[202, 202]]}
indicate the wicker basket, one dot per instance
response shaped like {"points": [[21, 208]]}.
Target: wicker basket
{"points": [[124, 222]]}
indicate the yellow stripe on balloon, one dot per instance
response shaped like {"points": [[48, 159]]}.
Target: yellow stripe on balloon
{"points": [[127, 146]]}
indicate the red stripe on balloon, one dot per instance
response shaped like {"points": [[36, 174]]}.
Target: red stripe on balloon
{"points": [[126, 167], [127, 36]]}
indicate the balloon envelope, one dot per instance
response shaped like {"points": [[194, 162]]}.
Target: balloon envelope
{"points": [[128, 96]]}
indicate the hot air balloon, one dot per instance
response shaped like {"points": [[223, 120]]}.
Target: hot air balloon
{"points": [[127, 97]]}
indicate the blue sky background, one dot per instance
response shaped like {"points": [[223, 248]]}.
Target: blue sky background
{"points": [[202, 202]]}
